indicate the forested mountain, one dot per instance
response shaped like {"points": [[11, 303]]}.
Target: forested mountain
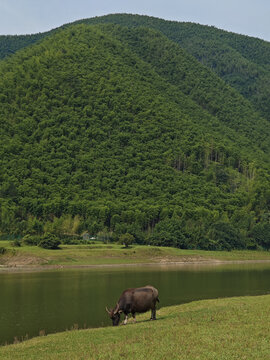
{"points": [[116, 129], [241, 61]]}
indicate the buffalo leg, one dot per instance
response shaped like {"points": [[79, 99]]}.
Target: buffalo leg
{"points": [[126, 319], [153, 314], [134, 317]]}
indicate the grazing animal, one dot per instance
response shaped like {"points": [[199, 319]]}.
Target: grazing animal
{"points": [[138, 300]]}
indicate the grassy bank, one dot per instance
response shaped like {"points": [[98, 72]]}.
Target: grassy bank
{"points": [[232, 328], [98, 254]]}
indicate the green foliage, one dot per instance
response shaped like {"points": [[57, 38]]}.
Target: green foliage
{"points": [[9, 44], [170, 232], [16, 243], [116, 130], [261, 235], [49, 241], [241, 61], [223, 236], [179, 233], [3, 250], [30, 240], [126, 239]]}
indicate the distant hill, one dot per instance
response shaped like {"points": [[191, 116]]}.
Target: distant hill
{"points": [[9, 44], [116, 129]]}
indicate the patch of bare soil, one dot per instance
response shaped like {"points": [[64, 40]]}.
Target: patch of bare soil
{"points": [[22, 260], [183, 259]]}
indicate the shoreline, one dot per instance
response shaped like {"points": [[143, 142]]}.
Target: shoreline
{"points": [[176, 331], [40, 268]]}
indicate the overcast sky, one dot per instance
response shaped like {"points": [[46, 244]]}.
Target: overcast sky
{"points": [[249, 17]]}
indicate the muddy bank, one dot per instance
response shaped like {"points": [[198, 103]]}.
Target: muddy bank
{"points": [[195, 262]]}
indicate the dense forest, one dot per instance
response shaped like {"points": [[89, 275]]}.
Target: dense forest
{"points": [[127, 127], [241, 61]]}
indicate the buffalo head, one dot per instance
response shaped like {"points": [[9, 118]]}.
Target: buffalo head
{"points": [[114, 315]]}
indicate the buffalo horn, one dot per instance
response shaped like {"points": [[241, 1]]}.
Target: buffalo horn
{"points": [[116, 309]]}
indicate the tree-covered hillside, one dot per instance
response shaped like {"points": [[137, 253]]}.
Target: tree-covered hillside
{"points": [[241, 61], [116, 130], [9, 44]]}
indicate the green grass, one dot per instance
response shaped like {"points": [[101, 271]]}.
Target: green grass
{"points": [[98, 254], [232, 328]]}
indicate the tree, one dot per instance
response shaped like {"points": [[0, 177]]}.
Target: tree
{"points": [[261, 234], [170, 232], [126, 239], [225, 236]]}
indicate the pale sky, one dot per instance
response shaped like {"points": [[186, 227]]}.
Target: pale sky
{"points": [[248, 17]]}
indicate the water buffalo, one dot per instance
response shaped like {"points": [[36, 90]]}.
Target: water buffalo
{"points": [[138, 300]]}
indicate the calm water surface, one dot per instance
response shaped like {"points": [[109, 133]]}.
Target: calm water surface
{"points": [[57, 300]]}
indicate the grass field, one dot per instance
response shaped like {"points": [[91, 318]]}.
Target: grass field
{"points": [[98, 254], [231, 328]]}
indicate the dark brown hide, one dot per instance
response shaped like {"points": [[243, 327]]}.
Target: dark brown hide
{"points": [[137, 300]]}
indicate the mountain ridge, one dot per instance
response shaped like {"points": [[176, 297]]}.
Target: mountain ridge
{"points": [[241, 61]]}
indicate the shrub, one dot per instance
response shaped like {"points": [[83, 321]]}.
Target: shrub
{"points": [[49, 241], [70, 240], [16, 243], [126, 239], [3, 250], [31, 240]]}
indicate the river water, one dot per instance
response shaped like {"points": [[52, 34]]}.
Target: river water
{"points": [[52, 301]]}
